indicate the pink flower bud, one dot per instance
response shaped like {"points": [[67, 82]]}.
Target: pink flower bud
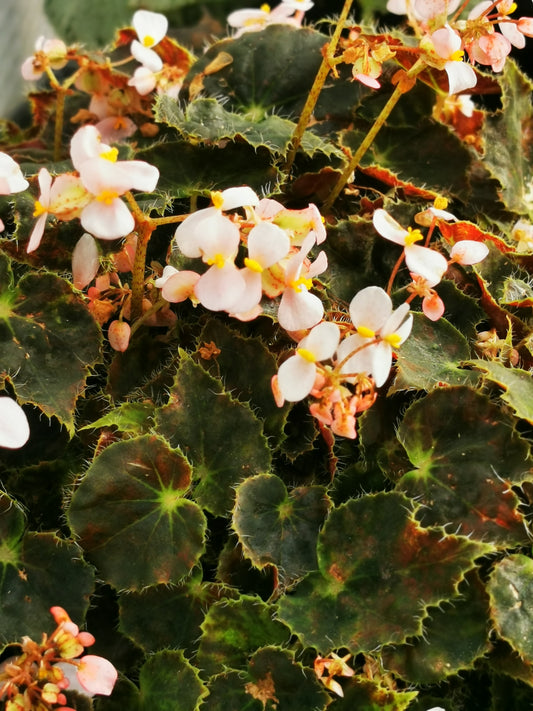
{"points": [[119, 335]]}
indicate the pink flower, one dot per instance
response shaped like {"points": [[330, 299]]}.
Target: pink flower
{"points": [[296, 375], [298, 308], [106, 216], [151, 27], [448, 45], [468, 251], [380, 330], [249, 20], [267, 245], [14, 427], [421, 260], [177, 285]]}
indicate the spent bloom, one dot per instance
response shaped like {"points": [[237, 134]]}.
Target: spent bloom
{"points": [[48, 53]]}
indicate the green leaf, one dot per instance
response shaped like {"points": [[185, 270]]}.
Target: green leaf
{"points": [[272, 680], [507, 155], [467, 457], [233, 629], [208, 121], [176, 613], [37, 571], [432, 356], [517, 386], [168, 682], [278, 528], [48, 339], [378, 571], [246, 366], [455, 635], [132, 417], [132, 498], [510, 588], [220, 436]]}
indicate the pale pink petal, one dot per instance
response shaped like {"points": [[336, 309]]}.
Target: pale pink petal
{"points": [[525, 25], [301, 5], [85, 261], [99, 174], [446, 42], [370, 308], [267, 208], [461, 77], [322, 341], [296, 377], [144, 80], [179, 286], [86, 143], [14, 427], [107, 221], [367, 80], [433, 307], [480, 9], [238, 197], [220, 287], [426, 263], [37, 233], [150, 27], [116, 128], [191, 231], [146, 56], [356, 352], [468, 251], [97, 675], [247, 18], [319, 265], [251, 296], [267, 244], [388, 227], [381, 356], [513, 34], [430, 9], [168, 272], [28, 71], [11, 178], [397, 7], [299, 310]]}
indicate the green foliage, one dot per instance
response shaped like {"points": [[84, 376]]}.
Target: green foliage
{"points": [[231, 552]]}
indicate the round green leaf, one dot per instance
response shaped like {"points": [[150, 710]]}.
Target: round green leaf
{"points": [[49, 339], [233, 629], [378, 571], [221, 436], [273, 680], [131, 516], [168, 682], [510, 589], [278, 528], [467, 457], [37, 571]]}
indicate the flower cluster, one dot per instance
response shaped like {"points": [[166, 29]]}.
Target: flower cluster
{"points": [[288, 12], [37, 678], [261, 254]]}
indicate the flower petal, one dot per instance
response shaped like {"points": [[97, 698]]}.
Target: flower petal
{"points": [[14, 427], [107, 221], [388, 227], [296, 377], [370, 307], [426, 263]]}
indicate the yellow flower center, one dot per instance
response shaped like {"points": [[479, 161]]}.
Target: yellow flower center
{"points": [[218, 260], [265, 7], [440, 203], [393, 339], [366, 332], [107, 196], [306, 355], [111, 155], [253, 265], [217, 199], [457, 56], [39, 209], [302, 281], [148, 41], [413, 236]]}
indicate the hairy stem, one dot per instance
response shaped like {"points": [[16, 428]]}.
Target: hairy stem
{"points": [[314, 93], [402, 87]]}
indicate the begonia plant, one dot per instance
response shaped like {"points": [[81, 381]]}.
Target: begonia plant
{"points": [[266, 408]]}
